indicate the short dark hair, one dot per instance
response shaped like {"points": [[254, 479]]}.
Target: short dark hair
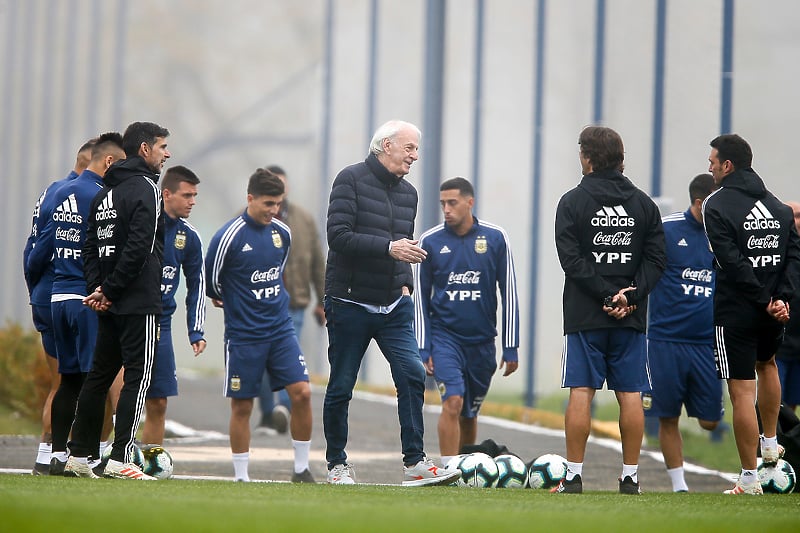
{"points": [[275, 169], [731, 147], [88, 145], [701, 186], [602, 147], [265, 183], [463, 186], [104, 142], [141, 132], [174, 176]]}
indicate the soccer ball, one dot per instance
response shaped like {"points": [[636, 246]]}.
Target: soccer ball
{"points": [[477, 470], [137, 458], [546, 471], [778, 479], [157, 461], [511, 472]]}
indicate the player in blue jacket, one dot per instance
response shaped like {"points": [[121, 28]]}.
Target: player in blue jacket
{"points": [[182, 250], [39, 294], [455, 311], [680, 333], [244, 276], [74, 325]]}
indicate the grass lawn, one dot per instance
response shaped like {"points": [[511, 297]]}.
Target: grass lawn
{"points": [[30, 503]]}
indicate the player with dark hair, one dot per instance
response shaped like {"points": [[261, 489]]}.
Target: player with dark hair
{"points": [[122, 266], [455, 311], [183, 249], [757, 253], [244, 276], [680, 333], [610, 243], [39, 294]]}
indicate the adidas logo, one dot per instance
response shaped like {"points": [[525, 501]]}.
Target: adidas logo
{"points": [[760, 218], [68, 211], [246, 247], [683, 242], [612, 216], [444, 250], [106, 208]]}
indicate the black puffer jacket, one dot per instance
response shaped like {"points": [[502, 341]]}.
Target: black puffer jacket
{"points": [[124, 244], [369, 207]]}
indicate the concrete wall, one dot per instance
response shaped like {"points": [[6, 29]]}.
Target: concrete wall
{"points": [[243, 84]]}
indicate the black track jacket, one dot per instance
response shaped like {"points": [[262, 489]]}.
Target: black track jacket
{"points": [[608, 236], [124, 245], [756, 250]]}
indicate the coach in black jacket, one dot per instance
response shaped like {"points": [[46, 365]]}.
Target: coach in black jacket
{"points": [[610, 243], [122, 264], [368, 296], [757, 252]]}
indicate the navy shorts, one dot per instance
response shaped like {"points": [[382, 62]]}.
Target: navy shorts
{"points": [[615, 356], [164, 381], [789, 372], [43, 322], [683, 374], [245, 364], [464, 370], [75, 328], [736, 349]]}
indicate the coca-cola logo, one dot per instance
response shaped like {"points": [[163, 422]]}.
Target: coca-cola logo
{"points": [[69, 234], [269, 275], [620, 238], [704, 275], [468, 277], [767, 241], [105, 232], [169, 272]]}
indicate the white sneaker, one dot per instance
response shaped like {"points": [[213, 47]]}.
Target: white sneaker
{"points": [[342, 474], [770, 456], [75, 468], [426, 473], [119, 470], [753, 489]]}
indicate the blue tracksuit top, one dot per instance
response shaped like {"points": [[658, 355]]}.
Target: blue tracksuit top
{"points": [[63, 235], [39, 290], [455, 288], [183, 249], [244, 269], [682, 302]]}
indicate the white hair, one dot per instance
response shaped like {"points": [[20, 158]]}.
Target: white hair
{"points": [[389, 130]]}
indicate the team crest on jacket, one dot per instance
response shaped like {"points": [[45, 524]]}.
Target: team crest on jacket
{"points": [[480, 245], [180, 240], [276, 239]]}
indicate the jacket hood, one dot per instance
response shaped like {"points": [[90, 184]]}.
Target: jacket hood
{"points": [[380, 171], [608, 187], [127, 168], [747, 181]]}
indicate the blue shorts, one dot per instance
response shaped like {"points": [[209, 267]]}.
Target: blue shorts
{"points": [[789, 372], [245, 364], [43, 322], [464, 370], [164, 381], [615, 356], [75, 329], [683, 374]]}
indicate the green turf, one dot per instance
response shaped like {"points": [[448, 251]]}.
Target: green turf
{"points": [[59, 504]]}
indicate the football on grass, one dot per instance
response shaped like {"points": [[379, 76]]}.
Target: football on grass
{"points": [[777, 479], [157, 461], [477, 470], [137, 458], [546, 471], [511, 472]]}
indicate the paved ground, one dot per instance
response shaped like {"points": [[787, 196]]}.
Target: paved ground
{"points": [[201, 414]]}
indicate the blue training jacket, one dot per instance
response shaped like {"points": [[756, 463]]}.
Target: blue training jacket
{"points": [[63, 234], [244, 269], [682, 302], [39, 290], [455, 288], [183, 249]]}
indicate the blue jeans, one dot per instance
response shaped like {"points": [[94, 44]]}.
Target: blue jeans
{"points": [[266, 398], [350, 330]]}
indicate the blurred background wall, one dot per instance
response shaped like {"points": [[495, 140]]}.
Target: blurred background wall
{"points": [[500, 89]]}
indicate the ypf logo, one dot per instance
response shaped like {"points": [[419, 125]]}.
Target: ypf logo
{"points": [[614, 216]]}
